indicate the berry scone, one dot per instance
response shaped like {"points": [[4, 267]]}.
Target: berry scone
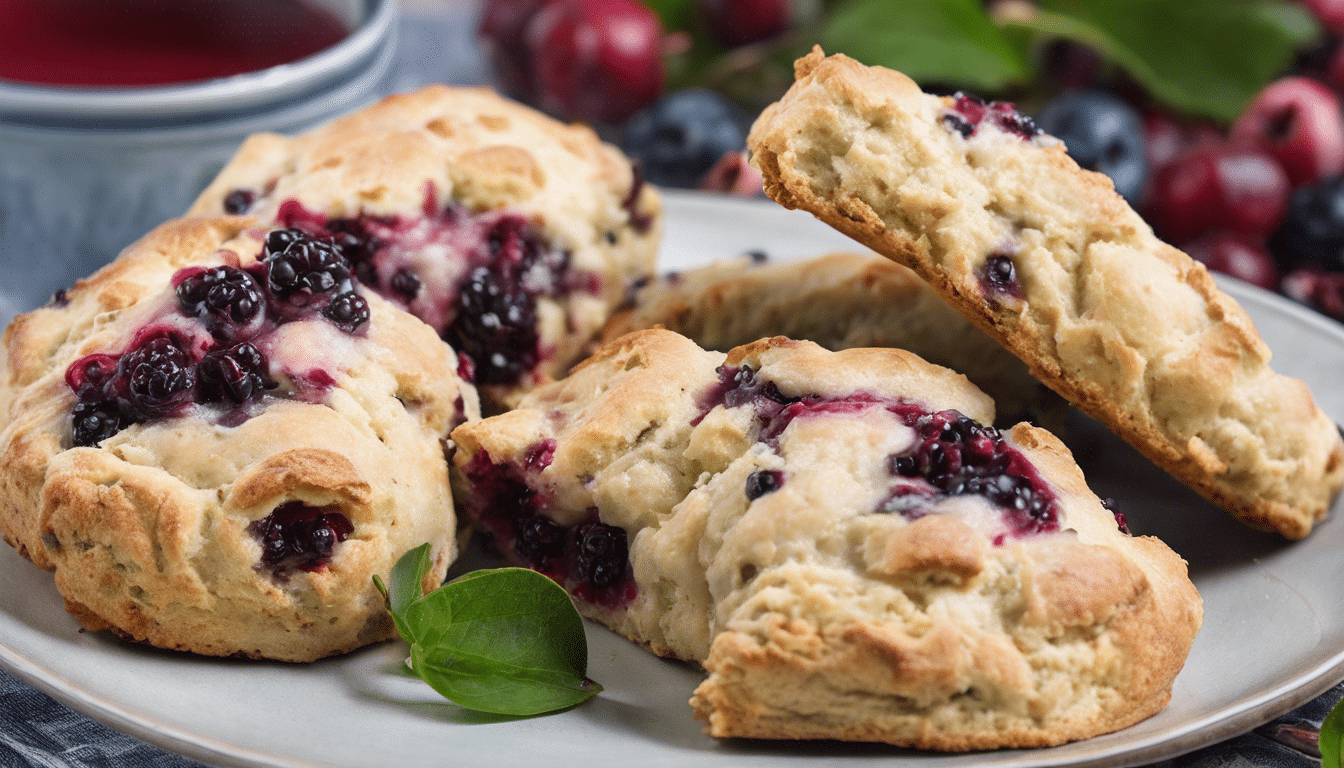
{"points": [[840, 301], [511, 234], [1051, 262], [218, 439], [838, 540]]}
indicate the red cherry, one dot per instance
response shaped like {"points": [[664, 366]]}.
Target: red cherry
{"points": [[1329, 12], [596, 60], [503, 28], [739, 22], [1240, 256], [1297, 120], [1240, 189]]}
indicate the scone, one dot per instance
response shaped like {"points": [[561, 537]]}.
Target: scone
{"points": [[511, 234], [840, 301], [838, 540], [1051, 262], [218, 439]]}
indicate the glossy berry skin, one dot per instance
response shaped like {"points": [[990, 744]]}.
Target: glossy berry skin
{"points": [[232, 375], [159, 374], [296, 535], [680, 138], [597, 60], [1240, 256], [1102, 133], [1313, 230], [503, 29], [602, 553], [740, 22], [1298, 121], [763, 481], [348, 311], [227, 296], [1233, 188], [94, 422], [298, 262]]}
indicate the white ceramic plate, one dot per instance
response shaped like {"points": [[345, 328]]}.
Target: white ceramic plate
{"points": [[1273, 633]]}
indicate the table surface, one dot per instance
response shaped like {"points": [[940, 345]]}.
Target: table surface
{"points": [[436, 44]]}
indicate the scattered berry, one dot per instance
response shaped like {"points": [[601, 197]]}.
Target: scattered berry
{"points": [[740, 22], [999, 277], [763, 481], [680, 138], [1313, 230], [348, 311], [1298, 121], [602, 553], [1239, 189], [1102, 133], [239, 201], [596, 59]]}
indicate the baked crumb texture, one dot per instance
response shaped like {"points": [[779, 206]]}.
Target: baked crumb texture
{"points": [[840, 301], [778, 536], [488, 205], [156, 532], [1049, 261]]}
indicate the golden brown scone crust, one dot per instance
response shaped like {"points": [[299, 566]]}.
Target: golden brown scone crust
{"points": [[147, 532], [1124, 326], [840, 301], [817, 614], [474, 147]]}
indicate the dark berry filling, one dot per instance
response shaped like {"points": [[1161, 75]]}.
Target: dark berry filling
{"points": [[225, 296], [348, 311], [998, 277], [952, 455], [763, 481], [301, 265], [1120, 521], [968, 112], [475, 278], [958, 456], [590, 558], [297, 535], [239, 201]]}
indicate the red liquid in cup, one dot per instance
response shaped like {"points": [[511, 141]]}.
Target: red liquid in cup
{"points": [[128, 43]]}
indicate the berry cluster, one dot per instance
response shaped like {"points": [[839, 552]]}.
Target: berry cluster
{"points": [[168, 367]]}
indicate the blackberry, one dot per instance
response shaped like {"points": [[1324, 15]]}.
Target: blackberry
{"points": [[159, 374], [405, 284], [763, 481], [999, 275], [602, 553], [296, 535], [228, 296], [297, 261], [539, 541], [234, 375], [239, 201], [94, 422], [347, 311], [495, 326]]}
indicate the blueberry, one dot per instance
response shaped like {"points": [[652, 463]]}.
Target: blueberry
{"points": [[1103, 134], [678, 139], [1312, 232]]}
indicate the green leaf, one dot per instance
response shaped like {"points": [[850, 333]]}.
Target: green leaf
{"points": [[675, 14], [949, 42], [506, 641], [487, 685], [1332, 736], [407, 577], [1205, 57]]}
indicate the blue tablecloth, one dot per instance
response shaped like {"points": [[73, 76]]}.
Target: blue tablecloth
{"points": [[437, 44]]}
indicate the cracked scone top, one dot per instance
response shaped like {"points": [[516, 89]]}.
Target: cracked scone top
{"points": [[838, 540], [511, 234], [1048, 260], [840, 301], [216, 441]]}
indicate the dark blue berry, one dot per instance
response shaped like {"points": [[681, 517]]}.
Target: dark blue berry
{"points": [[297, 261], [296, 535], [763, 481], [1312, 232], [405, 284], [495, 325], [1102, 133], [239, 201], [228, 297], [602, 553], [679, 138], [159, 375], [232, 375], [999, 276], [95, 422], [347, 311]]}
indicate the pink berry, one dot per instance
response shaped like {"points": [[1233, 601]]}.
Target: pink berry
{"points": [[1240, 189], [503, 27], [1329, 12], [596, 60], [739, 22], [1297, 120], [1322, 291], [1240, 256]]}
